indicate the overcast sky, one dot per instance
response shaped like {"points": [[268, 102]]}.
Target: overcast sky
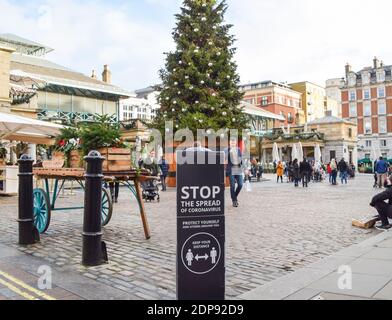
{"points": [[280, 40]]}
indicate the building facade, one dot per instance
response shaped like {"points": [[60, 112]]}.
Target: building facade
{"points": [[276, 98], [143, 105], [336, 137], [62, 95], [367, 101], [313, 100]]}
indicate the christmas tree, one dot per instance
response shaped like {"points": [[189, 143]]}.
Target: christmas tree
{"points": [[200, 82]]}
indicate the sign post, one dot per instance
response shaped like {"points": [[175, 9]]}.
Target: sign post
{"points": [[200, 225]]}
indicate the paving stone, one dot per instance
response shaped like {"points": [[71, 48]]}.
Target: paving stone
{"points": [[363, 285]]}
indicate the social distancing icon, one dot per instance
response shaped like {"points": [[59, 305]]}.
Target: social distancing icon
{"points": [[201, 253]]}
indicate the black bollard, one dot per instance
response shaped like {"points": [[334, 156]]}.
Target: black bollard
{"points": [[28, 233], [94, 249]]}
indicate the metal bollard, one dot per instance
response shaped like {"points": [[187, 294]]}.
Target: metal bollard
{"points": [[28, 233], [94, 249]]}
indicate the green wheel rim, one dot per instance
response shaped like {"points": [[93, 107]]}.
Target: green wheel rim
{"points": [[107, 207], [41, 210]]}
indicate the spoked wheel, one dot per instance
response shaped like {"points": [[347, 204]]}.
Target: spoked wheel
{"points": [[41, 210], [107, 207]]}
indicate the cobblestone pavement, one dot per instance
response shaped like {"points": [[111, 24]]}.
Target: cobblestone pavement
{"points": [[277, 230]]}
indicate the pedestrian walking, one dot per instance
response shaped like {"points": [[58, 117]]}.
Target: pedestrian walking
{"points": [[164, 166], [279, 172], [334, 172], [290, 170], [305, 170], [381, 170], [296, 173], [343, 170], [329, 171], [234, 170]]}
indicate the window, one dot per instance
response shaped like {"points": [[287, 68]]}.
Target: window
{"points": [[382, 125], [381, 76], [367, 109], [350, 133], [366, 94], [332, 154], [368, 143], [353, 95], [264, 101], [365, 78], [384, 155], [367, 155], [381, 92], [352, 79], [382, 109], [353, 109], [368, 125], [383, 143]]}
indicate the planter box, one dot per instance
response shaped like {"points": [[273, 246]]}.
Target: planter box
{"points": [[58, 160], [116, 159], [75, 160]]}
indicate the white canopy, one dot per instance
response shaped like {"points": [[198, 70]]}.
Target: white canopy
{"points": [[294, 153], [14, 127], [275, 153], [300, 152], [317, 153]]}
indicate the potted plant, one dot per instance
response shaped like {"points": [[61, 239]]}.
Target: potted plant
{"points": [[3, 154], [68, 147], [105, 137]]}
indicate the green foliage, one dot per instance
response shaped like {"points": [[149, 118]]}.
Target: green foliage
{"points": [[100, 134], [68, 140], [200, 82], [3, 151]]}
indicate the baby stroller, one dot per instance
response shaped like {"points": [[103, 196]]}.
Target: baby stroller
{"points": [[150, 191]]}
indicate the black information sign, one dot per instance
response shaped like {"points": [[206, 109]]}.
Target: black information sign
{"points": [[200, 226]]}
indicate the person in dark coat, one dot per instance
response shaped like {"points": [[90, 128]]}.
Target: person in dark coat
{"points": [[383, 208], [234, 164], [296, 172], [343, 169], [164, 166], [305, 169]]}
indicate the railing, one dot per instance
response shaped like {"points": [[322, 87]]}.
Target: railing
{"points": [[69, 117]]}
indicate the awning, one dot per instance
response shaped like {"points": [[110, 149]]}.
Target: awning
{"points": [[259, 112], [14, 127], [365, 160]]}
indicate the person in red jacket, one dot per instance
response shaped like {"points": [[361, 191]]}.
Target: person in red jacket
{"points": [[329, 170]]}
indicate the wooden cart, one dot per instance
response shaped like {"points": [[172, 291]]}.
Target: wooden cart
{"points": [[45, 200]]}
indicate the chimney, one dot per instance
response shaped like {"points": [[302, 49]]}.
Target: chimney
{"points": [[5, 66], [348, 69], [376, 63], [106, 74], [94, 75]]}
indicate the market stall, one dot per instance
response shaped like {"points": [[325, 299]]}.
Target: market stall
{"points": [[45, 200]]}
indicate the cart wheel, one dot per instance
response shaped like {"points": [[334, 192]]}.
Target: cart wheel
{"points": [[107, 207], [41, 210]]}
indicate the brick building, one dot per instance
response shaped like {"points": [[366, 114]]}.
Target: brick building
{"points": [[277, 98], [367, 101]]}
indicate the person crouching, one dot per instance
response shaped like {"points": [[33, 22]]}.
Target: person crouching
{"points": [[383, 208]]}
